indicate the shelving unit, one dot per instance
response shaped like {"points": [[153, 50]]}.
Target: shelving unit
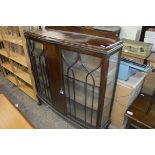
{"points": [[15, 61]]}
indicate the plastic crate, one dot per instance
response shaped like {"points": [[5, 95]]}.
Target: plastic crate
{"points": [[129, 67], [125, 72]]}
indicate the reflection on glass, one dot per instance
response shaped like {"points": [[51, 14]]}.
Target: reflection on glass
{"points": [[82, 82], [38, 60], [113, 61]]}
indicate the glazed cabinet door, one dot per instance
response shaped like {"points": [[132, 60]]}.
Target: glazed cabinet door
{"points": [[47, 69], [82, 84]]}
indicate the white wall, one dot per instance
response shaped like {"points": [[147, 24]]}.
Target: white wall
{"points": [[130, 32]]}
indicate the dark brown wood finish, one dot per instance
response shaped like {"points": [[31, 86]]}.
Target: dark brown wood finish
{"points": [[75, 39], [139, 117], [103, 82], [98, 44], [55, 76], [144, 28], [82, 29]]}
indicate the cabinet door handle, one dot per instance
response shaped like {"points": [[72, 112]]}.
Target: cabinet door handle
{"points": [[61, 91]]}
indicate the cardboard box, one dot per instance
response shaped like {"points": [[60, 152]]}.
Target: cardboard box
{"points": [[151, 60], [126, 92], [118, 109], [117, 121], [118, 116]]}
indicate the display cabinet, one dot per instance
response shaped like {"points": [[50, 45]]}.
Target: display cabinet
{"points": [[75, 71]]}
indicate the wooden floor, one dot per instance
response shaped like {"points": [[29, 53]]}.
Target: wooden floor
{"points": [[10, 117]]}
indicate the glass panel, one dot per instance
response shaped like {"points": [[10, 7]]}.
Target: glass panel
{"points": [[113, 61], [36, 52], [82, 82]]}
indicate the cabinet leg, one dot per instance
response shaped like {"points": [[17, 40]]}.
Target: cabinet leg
{"points": [[39, 102]]}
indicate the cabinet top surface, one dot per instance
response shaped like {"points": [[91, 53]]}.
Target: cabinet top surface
{"points": [[105, 42]]}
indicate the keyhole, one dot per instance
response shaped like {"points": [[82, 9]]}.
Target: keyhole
{"points": [[61, 91]]}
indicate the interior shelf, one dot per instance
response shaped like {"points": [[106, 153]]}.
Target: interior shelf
{"points": [[7, 66], [80, 75], [77, 111], [22, 86], [3, 52], [28, 91], [18, 72], [12, 79], [24, 76], [14, 40], [15, 57]]}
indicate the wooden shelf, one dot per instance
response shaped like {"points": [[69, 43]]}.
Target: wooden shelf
{"points": [[13, 38], [24, 76], [18, 72], [12, 79], [28, 91], [7, 66], [17, 40], [4, 53], [1, 38], [15, 57], [23, 87]]}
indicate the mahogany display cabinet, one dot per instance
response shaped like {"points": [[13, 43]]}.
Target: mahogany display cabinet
{"points": [[75, 71]]}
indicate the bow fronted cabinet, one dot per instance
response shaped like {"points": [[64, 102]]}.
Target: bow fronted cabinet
{"points": [[75, 71]]}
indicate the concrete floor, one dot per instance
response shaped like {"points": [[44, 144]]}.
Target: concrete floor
{"points": [[40, 116]]}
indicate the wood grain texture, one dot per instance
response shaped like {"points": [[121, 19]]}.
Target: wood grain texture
{"points": [[10, 117], [79, 38], [55, 76], [139, 117], [16, 39]]}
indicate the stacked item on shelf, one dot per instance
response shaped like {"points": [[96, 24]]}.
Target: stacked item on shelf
{"points": [[151, 60], [150, 37], [126, 92], [129, 67], [131, 76], [136, 50], [14, 58]]}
